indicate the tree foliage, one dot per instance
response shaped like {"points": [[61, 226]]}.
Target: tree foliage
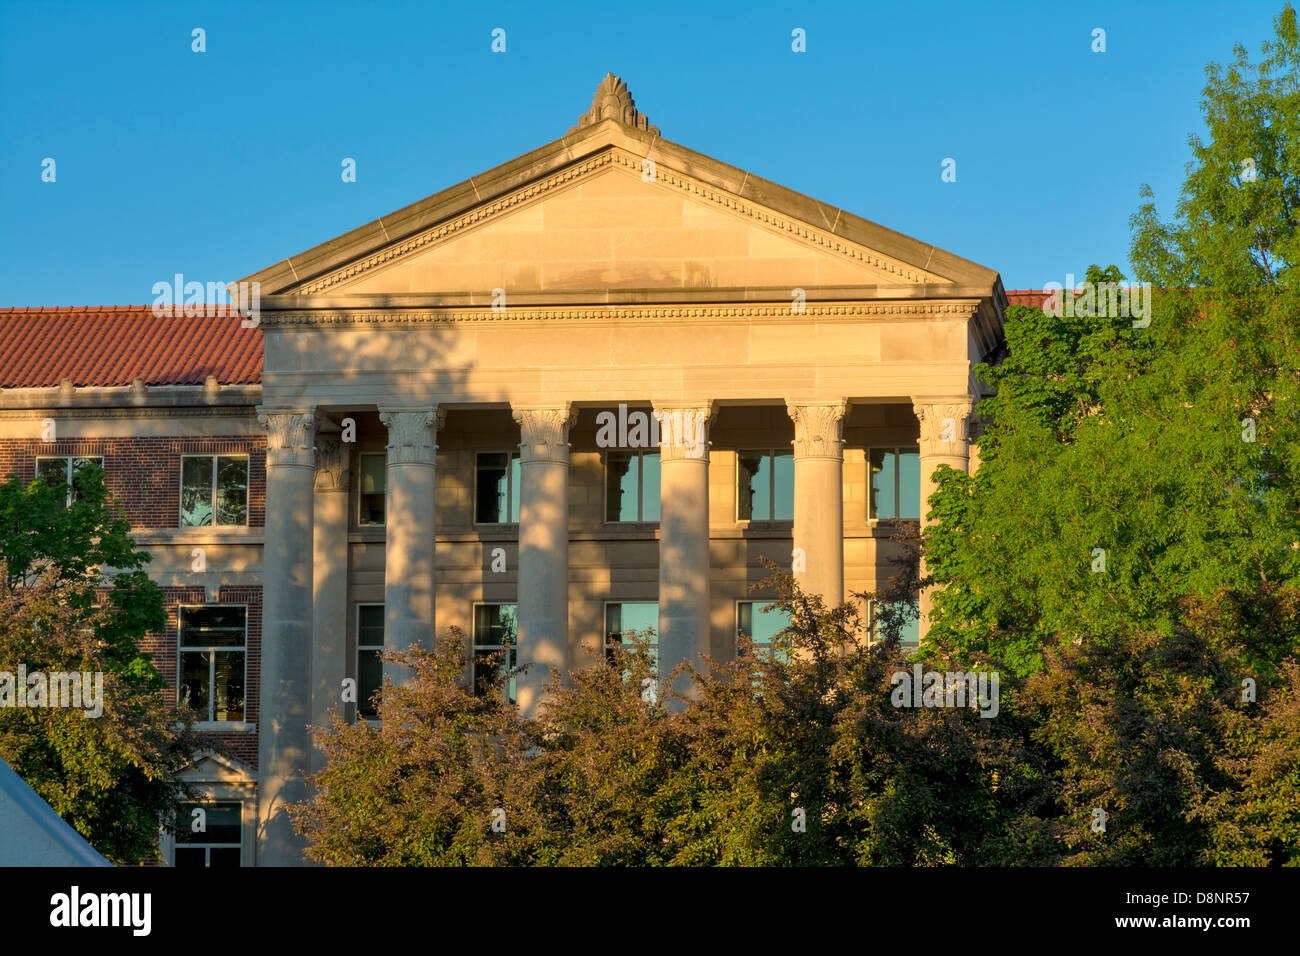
{"points": [[111, 776]]}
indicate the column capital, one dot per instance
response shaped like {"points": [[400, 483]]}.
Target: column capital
{"points": [[818, 427], [684, 428], [289, 434], [331, 463], [943, 425], [543, 431], [412, 433]]}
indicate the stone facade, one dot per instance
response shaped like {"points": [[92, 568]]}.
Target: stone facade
{"points": [[507, 315]]}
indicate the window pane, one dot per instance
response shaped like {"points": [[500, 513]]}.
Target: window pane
{"points": [[495, 625], [79, 465], [228, 695], [216, 626], [909, 484], [620, 486], [650, 486], [753, 486], [194, 682], [484, 661], [232, 490], [492, 477], [370, 677], [53, 470], [641, 617], [768, 621], [883, 485], [745, 618], [221, 823], [370, 625], [373, 475], [911, 632], [783, 476], [196, 491]]}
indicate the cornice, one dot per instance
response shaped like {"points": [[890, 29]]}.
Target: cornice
{"points": [[129, 411], [614, 157], [397, 317]]}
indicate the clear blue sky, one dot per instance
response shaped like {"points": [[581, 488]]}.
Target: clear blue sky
{"points": [[218, 164]]}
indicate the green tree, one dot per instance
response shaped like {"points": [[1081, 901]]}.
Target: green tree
{"points": [[111, 776]]}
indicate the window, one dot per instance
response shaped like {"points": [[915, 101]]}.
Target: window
{"points": [[631, 486], [496, 488], [909, 636], [217, 843], [895, 482], [214, 490], [374, 470], [212, 643], [370, 670], [761, 623], [64, 471], [620, 619], [496, 629], [765, 485]]}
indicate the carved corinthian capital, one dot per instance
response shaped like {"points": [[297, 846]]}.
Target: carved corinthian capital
{"points": [[943, 427], [543, 431], [331, 464], [288, 437], [412, 434], [684, 429], [818, 428]]}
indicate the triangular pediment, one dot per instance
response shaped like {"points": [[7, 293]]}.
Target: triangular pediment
{"points": [[605, 225], [612, 207]]}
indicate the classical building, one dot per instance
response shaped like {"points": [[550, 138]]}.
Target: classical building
{"points": [[443, 418]]}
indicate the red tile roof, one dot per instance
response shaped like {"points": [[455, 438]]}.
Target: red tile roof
{"points": [[114, 344], [1034, 297]]}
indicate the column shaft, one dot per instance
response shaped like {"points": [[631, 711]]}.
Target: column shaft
{"points": [[943, 441], [409, 554], [819, 498], [285, 700], [543, 638], [330, 575], [683, 536]]}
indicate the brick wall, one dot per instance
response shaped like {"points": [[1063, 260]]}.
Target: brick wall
{"points": [[144, 474]]}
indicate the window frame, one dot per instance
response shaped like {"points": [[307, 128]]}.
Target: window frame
{"points": [[248, 487], [640, 454], [362, 699], [182, 649], [770, 453], [898, 451], [67, 469], [361, 475], [511, 659], [511, 491]]}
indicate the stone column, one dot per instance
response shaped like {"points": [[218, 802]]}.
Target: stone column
{"points": [[284, 746], [543, 638], [819, 498], [683, 535], [330, 580], [943, 441], [409, 556]]}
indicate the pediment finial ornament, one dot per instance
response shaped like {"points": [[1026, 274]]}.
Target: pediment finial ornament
{"points": [[613, 101]]}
